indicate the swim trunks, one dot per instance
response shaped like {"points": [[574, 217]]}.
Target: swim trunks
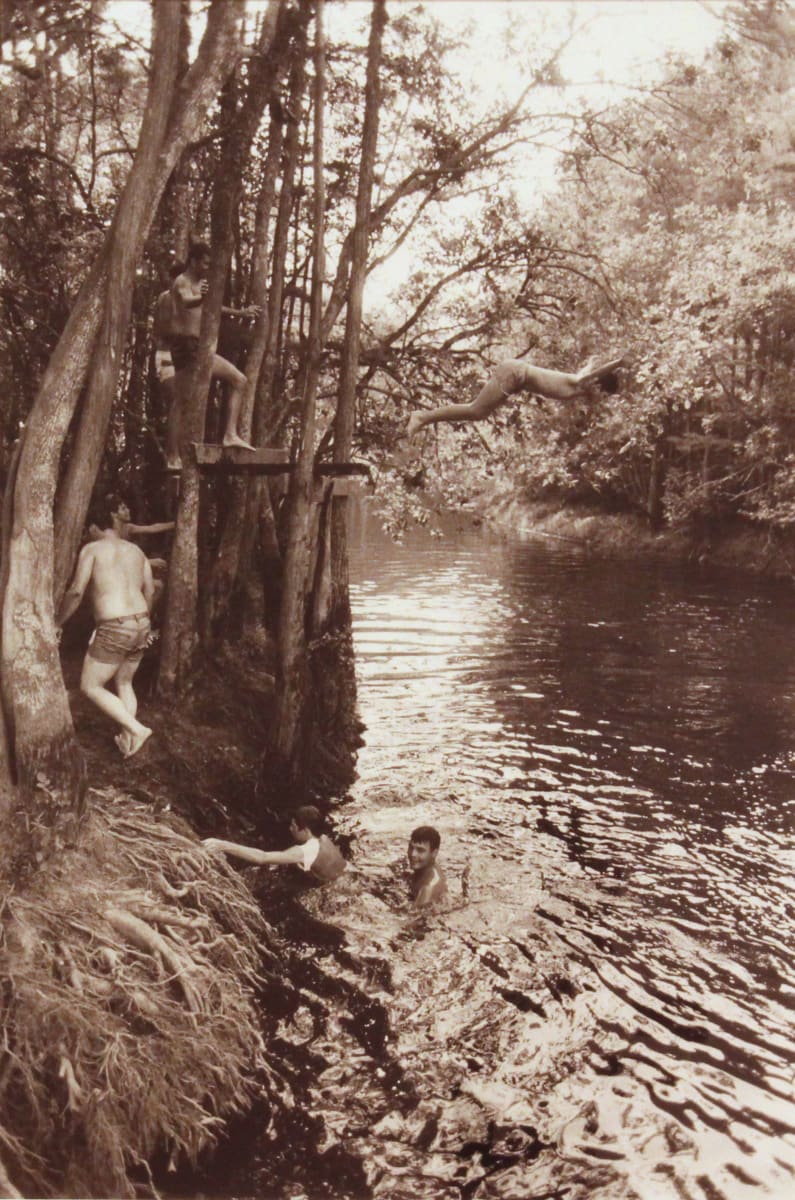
{"points": [[120, 639], [184, 350], [511, 376]]}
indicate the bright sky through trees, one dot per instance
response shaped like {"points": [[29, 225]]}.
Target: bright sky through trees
{"points": [[613, 46]]}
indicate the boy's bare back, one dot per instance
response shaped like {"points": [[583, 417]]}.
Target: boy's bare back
{"points": [[118, 578]]}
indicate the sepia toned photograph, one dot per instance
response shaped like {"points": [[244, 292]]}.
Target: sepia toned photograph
{"points": [[397, 588]]}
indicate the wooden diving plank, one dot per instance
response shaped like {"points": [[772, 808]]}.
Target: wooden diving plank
{"points": [[264, 460], [342, 468]]}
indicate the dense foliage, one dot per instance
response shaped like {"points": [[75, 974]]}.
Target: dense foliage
{"points": [[669, 239]]}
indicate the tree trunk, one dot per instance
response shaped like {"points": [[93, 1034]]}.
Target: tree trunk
{"points": [[164, 135], [340, 607], [236, 546], [180, 634], [286, 762], [259, 504], [654, 505]]}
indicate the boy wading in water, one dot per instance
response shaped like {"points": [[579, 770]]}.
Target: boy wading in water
{"points": [[427, 882], [516, 375], [312, 852], [119, 578], [187, 296]]}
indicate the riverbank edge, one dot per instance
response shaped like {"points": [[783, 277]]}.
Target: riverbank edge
{"points": [[134, 937], [739, 546]]}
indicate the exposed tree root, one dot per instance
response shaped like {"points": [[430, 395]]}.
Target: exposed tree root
{"points": [[128, 1027]]}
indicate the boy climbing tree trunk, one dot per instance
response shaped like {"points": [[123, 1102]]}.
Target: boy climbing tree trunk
{"points": [[175, 121], [43, 758]]}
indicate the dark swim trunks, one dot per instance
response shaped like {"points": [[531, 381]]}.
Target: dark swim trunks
{"points": [[184, 350], [120, 639]]}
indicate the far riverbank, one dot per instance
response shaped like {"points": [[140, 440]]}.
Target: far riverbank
{"points": [[738, 546]]}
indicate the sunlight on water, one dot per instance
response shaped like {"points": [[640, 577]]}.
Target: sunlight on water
{"points": [[609, 751]]}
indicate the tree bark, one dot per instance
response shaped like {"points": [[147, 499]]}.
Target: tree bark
{"points": [[245, 496], [180, 632], [339, 615], [286, 762]]}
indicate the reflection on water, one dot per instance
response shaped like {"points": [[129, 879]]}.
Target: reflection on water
{"points": [[609, 749]]}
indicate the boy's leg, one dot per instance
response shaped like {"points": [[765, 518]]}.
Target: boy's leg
{"points": [[173, 395], [124, 689], [236, 381], [93, 680], [489, 398]]}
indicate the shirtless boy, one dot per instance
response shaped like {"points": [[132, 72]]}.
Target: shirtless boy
{"points": [[517, 375], [312, 851], [187, 296], [427, 882], [125, 527], [119, 579]]}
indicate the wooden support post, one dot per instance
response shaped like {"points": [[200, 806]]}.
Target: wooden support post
{"points": [[342, 468]]}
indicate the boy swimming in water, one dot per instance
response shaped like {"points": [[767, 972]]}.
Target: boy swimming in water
{"points": [[312, 852], [427, 882]]}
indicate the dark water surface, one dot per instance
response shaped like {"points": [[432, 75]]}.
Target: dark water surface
{"points": [[608, 751]]}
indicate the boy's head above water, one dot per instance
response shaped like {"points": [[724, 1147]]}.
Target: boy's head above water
{"points": [[423, 847], [306, 823]]}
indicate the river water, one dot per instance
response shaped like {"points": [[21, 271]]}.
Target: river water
{"points": [[607, 749]]}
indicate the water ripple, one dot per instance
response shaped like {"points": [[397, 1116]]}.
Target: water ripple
{"points": [[610, 753]]}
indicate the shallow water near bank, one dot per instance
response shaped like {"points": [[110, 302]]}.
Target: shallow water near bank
{"points": [[607, 749]]}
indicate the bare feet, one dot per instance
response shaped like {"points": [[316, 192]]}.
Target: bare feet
{"points": [[123, 740], [237, 442], [136, 741], [592, 373], [414, 425]]}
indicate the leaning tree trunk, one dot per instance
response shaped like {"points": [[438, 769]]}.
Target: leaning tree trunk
{"points": [[46, 760], [160, 146], [286, 760]]}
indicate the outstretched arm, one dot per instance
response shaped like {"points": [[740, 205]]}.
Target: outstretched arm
{"points": [[295, 854], [76, 589], [158, 527], [253, 310]]}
